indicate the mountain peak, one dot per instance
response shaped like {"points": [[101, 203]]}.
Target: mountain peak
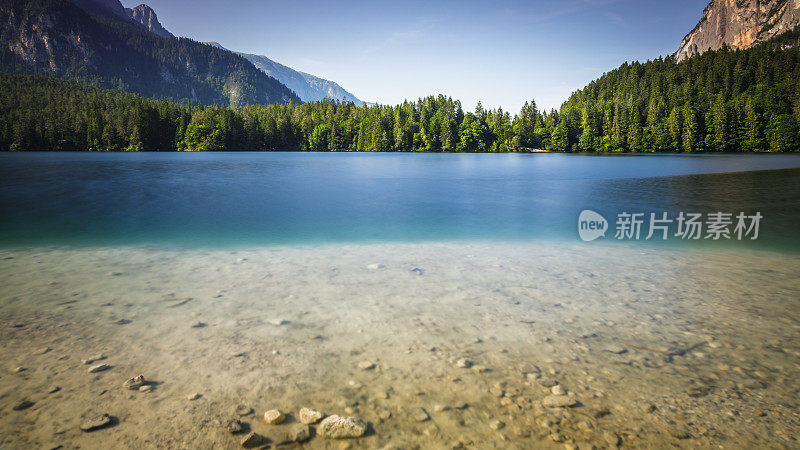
{"points": [[145, 15], [739, 24]]}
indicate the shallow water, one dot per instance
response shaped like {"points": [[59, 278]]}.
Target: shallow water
{"points": [[300, 267], [709, 343]]}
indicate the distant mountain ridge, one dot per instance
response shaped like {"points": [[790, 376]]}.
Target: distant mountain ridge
{"points": [[739, 24], [97, 42], [308, 87]]}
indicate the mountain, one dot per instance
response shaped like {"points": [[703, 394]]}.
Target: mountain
{"points": [[145, 16], [99, 46], [108, 8], [308, 87], [739, 24]]}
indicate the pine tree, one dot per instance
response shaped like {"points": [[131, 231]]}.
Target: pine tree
{"points": [[719, 118], [588, 138], [559, 140], [635, 133], [752, 128], [691, 128]]}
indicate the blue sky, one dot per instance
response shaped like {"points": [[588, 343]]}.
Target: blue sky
{"points": [[499, 52]]}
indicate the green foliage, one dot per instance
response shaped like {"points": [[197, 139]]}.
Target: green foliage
{"points": [[782, 133], [722, 100], [719, 101]]}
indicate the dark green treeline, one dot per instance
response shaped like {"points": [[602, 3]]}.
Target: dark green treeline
{"points": [[719, 101]]}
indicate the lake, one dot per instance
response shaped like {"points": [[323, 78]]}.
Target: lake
{"points": [[246, 199], [443, 300]]}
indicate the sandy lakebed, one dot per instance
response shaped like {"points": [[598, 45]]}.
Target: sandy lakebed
{"points": [[434, 345]]}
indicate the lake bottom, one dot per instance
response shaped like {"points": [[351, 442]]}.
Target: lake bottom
{"points": [[435, 345]]}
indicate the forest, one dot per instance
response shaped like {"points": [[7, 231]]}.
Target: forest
{"points": [[725, 100]]}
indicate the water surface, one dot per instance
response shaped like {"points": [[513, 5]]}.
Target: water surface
{"points": [[247, 199]]}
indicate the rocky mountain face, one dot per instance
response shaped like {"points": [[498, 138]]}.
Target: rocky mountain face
{"points": [[308, 87], [112, 8], [145, 16], [100, 47], [740, 24]]}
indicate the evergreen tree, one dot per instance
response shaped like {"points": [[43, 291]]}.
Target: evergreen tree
{"points": [[559, 140]]}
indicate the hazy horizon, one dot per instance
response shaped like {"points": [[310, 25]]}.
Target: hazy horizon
{"points": [[384, 52]]}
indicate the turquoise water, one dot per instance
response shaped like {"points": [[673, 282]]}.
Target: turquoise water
{"points": [[249, 199]]}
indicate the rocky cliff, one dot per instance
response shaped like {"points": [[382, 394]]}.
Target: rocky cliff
{"points": [[739, 24], [145, 16]]}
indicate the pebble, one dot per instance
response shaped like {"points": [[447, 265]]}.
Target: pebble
{"points": [[366, 365], [194, 396], [614, 348], [680, 432], [252, 440], [533, 376], [558, 390], [480, 369], [308, 415], [134, 383], [274, 417], [24, 404], [441, 408], [243, 410], [53, 389], [93, 359], [145, 388], [97, 423], [611, 438], [464, 363], [496, 424], [375, 266], [20, 369], [417, 270], [197, 324], [419, 414], [547, 382], [99, 368], [527, 368], [337, 427], [496, 391], [234, 426], [279, 322], [558, 401], [42, 351]]}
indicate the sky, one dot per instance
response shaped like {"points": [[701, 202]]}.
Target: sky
{"points": [[502, 53]]}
